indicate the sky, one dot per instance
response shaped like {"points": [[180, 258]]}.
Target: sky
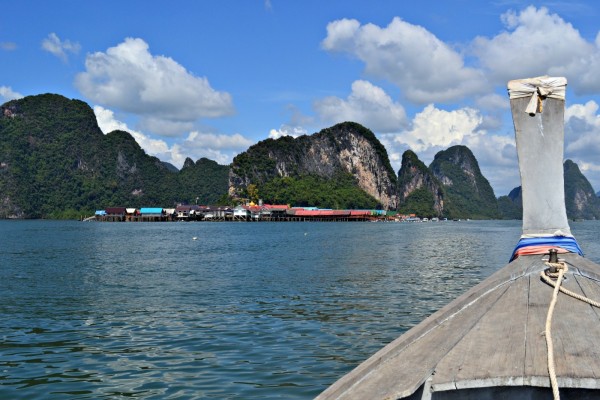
{"points": [[210, 78]]}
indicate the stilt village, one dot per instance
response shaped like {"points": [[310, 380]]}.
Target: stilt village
{"points": [[247, 213]]}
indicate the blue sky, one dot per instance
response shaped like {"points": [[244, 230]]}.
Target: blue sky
{"points": [[210, 78]]}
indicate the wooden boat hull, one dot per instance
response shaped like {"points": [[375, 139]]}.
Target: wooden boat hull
{"points": [[490, 342]]}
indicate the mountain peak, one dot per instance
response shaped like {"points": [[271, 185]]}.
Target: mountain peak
{"points": [[580, 199], [419, 192], [469, 194], [345, 152], [188, 163]]}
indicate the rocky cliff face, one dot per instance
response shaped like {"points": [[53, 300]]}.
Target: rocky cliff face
{"points": [[418, 190], [580, 199], [346, 148], [469, 194], [457, 162]]}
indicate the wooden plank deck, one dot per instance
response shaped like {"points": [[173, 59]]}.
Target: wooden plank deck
{"points": [[498, 339], [492, 336]]}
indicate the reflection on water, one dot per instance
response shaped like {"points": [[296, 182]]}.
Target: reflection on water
{"points": [[249, 310]]}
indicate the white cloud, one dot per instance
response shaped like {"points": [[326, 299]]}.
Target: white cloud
{"points": [[582, 130], [218, 147], [108, 123], [427, 70], [538, 43], [341, 35], [493, 102], [296, 126], [7, 94], [60, 48], [156, 88], [219, 141], [434, 127], [165, 127], [423, 67], [287, 130], [368, 105], [433, 130]]}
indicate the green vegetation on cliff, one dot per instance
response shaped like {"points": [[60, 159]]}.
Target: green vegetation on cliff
{"points": [[340, 192], [468, 192], [333, 168], [47, 147], [257, 164], [56, 163], [419, 192], [419, 202], [205, 179]]}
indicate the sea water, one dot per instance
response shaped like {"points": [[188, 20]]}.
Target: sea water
{"points": [[225, 310]]}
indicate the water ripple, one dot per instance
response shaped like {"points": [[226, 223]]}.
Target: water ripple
{"points": [[104, 311]]}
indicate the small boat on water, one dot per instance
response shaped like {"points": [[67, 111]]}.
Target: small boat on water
{"points": [[529, 331]]}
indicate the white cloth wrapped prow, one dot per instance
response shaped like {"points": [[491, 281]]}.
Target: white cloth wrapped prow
{"points": [[538, 88]]}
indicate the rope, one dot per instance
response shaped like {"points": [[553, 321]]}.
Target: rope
{"points": [[550, 347], [548, 276]]}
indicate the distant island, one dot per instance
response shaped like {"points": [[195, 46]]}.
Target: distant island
{"points": [[55, 162]]}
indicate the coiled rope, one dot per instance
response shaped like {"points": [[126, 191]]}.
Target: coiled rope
{"points": [[555, 279]]}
